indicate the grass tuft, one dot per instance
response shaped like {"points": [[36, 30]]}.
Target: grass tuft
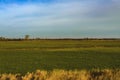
{"points": [[96, 74]]}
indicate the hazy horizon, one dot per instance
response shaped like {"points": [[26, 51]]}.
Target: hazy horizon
{"points": [[60, 18]]}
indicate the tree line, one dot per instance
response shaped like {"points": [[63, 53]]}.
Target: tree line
{"points": [[27, 37]]}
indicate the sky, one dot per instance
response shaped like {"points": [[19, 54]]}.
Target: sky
{"points": [[60, 18]]}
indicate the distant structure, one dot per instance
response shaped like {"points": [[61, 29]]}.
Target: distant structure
{"points": [[27, 37]]}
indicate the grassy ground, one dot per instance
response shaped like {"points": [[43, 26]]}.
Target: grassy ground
{"points": [[27, 56], [105, 74]]}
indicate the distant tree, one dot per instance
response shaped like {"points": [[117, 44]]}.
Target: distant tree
{"points": [[2, 38], [27, 37]]}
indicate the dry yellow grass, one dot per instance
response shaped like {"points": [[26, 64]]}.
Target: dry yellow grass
{"points": [[95, 74]]}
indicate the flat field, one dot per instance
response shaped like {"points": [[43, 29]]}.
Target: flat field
{"points": [[28, 56]]}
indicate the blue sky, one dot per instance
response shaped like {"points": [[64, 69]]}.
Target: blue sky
{"points": [[60, 18]]}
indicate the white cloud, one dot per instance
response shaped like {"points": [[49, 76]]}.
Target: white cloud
{"points": [[67, 16], [41, 14]]}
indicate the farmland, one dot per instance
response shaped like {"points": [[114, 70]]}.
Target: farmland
{"points": [[30, 55]]}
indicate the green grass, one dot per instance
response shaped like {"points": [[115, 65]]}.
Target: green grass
{"points": [[28, 56]]}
